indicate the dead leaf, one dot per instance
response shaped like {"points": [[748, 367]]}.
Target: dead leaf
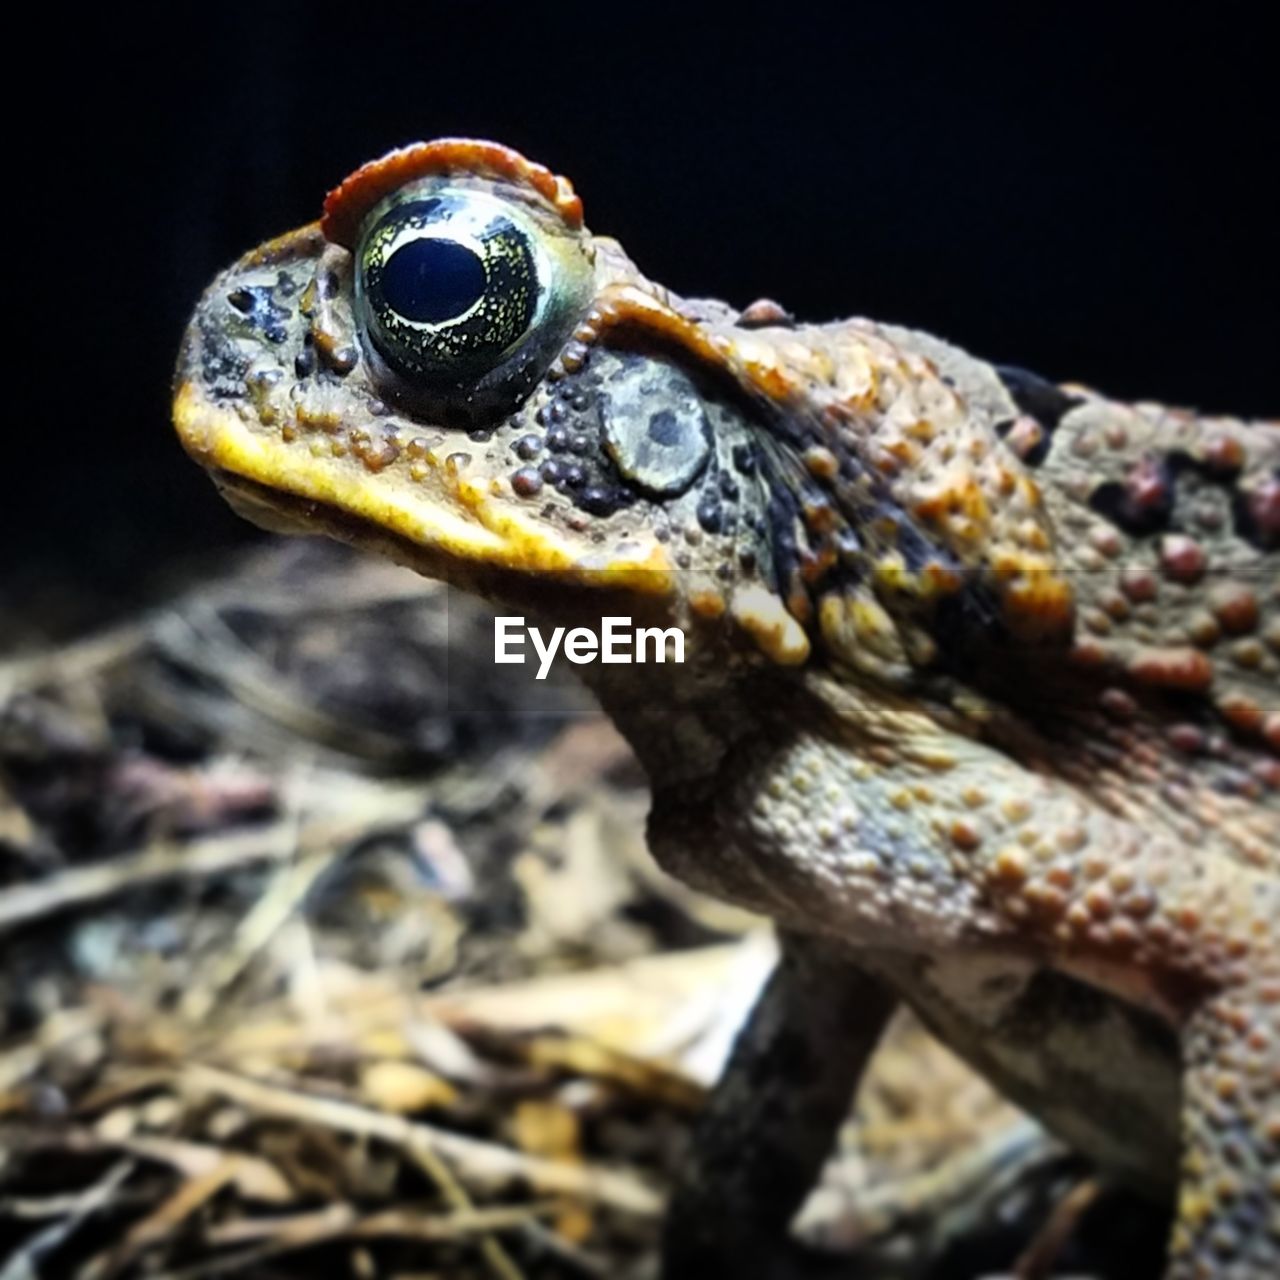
{"points": [[404, 1087]]}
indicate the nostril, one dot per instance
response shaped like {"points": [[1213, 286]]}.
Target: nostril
{"points": [[259, 307]]}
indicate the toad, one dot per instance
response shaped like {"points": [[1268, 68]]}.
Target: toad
{"points": [[981, 690]]}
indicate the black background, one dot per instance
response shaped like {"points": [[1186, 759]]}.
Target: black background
{"points": [[1084, 191]]}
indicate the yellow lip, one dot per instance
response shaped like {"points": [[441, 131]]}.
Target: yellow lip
{"points": [[465, 520]]}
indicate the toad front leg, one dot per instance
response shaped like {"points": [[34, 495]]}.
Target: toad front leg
{"points": [[1075, 957], [774, 1117]]}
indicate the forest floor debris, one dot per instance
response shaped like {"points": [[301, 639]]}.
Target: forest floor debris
{"points": [[324, 953]]}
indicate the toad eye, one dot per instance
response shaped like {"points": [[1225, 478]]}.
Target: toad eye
{"points": [[447, 286]]}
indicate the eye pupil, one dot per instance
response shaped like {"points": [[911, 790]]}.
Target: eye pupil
{"points": [[431, 280]]}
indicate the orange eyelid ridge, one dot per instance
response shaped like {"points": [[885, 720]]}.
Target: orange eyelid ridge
{"points": [[347, 204]]}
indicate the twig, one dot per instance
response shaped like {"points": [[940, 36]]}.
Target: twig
{"points": [[496, 1258], [72, 662], [339, 1221], [482, 1164], [290, 886], [1038, 1259], [200, 637], [155, 1226], [406, 1223], [255, 1177], [23, 1263], [81, 885], [206, 857]]}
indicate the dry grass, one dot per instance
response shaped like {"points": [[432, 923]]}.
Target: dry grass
{"points": [[322, 955]]}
